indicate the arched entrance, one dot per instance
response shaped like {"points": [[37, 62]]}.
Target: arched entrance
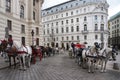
{"points": [[67, 46], [56, 44], [52, 44], [62, 45]]}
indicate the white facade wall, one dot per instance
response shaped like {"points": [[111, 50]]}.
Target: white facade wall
{"points": [[14, 17], [80, 10]]}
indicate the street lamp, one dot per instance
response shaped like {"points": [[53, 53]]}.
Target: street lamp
{"points": [[32, 33], [102, 40]]}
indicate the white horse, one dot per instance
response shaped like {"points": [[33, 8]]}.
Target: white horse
{"points": [[24, 54], [104, 56], [89, 57]]}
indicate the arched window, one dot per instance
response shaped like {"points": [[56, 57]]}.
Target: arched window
{"points": [[85, 27], [21, 11]]}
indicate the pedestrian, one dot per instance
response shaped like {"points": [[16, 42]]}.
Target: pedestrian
{"points": [[10, 40], [73, 47]]}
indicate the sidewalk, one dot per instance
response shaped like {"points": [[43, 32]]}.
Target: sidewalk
{"points": [[3, 64], [110, 63]]}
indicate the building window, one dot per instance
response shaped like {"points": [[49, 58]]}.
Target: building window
{"points": [[8, 5], [56, 9], [62, 38], [77, 37], [9, 25], [77, 29], [102, 17], [102, 8], [85, 27], [62, 22], [22, 28], [56, 30], [66, 7], [33, 2], [85, 37], [72, 13], [37, 41], [44, 32], [66, 14], [76, 4], [96, 27], [84, 10], [67, 38], [57, 23], [96, 37], [33, 15], [95, 17], [72, 37], [37, 31], [52, 24], [21, 11], [102, 27], [72, 29], [84, 2], [52, 31], [67, 29], [47, 31], [85, 19], [62, 30], [66, 21], [77, 19], [77, 11], [71, 20], [61, 15]]}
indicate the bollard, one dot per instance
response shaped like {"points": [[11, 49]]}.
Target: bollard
{"points": [[115, 66]]}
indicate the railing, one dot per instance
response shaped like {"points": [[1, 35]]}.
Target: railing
{"points": [[85, 31]]}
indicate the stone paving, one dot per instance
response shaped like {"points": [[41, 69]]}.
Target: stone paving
{"points": [[58, 67]]}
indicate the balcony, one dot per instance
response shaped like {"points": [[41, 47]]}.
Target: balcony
{"points": [[97, 31], [102, 31], [85, 31]]}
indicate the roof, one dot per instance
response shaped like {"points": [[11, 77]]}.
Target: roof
{"points": [[115, 16], [59, 4]]}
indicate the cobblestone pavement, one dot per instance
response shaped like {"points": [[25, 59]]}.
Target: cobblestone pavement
{"points": [[58, 67]]}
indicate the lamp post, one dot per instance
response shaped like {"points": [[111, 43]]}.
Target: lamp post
{"points": [[102, 40], [32, 33]]}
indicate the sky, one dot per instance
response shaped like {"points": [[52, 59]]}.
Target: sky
{"points": [[114, 5]]}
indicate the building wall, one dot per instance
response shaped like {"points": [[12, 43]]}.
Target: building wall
{"points": [[27, 21], [114, 26], [75, 9]]}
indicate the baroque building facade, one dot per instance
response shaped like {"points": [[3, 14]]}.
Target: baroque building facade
{"points": [[114, 27], [77, 21], [19, 18]]}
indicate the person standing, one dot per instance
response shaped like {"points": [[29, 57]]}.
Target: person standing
{"points": [[10, 40], [73, 47]]}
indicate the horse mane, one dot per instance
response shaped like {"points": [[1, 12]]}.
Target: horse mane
{"points": [[17, 44]]}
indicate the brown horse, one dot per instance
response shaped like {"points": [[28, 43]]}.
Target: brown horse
{"points": [[12, 51]]}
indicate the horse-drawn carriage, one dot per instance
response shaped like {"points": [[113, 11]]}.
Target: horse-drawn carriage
{"points": [[91, 56], [24, 54]]}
